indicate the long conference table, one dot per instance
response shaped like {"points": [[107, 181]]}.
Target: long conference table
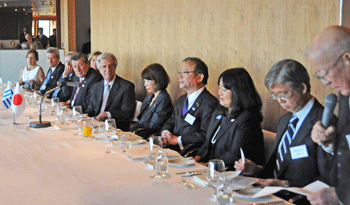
{"points": [[57, 166]]}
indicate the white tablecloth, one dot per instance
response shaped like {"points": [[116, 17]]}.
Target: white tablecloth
{"points": [[48, 166]]}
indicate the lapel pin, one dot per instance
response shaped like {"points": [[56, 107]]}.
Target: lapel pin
{"points": [[219, 117], [232, 120]]}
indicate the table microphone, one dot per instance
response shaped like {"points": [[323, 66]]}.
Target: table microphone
{"points": [[42, 124], [329, 104]]}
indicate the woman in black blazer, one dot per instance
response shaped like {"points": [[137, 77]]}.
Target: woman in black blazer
{"points": [[157, 106], [236, 123]]}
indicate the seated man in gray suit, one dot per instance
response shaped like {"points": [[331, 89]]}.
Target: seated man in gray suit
{"points": [[295, 159], [187, 127], [84, 74], [112, 97]]}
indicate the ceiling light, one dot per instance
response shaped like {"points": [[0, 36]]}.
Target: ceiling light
{"points": [[15, 9], [24, 9], [5, 4]]}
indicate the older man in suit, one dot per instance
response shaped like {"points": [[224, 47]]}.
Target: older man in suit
{"points": [[112, 97], [295, 160], [187, 127], [329, 55], [55, 71], [84, 74]]}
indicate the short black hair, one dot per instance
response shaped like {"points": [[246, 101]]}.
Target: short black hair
{"points": [[157, 73], [200, 67]]}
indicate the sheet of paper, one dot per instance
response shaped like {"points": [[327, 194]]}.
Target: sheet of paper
{"points": [[307, 190], [242, 156]]}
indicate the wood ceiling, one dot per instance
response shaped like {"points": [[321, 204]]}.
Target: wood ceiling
{"points": [[37, 7]]}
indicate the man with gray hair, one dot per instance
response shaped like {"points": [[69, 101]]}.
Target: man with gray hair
{"points": [[329, 55], [85, 75], [295, 159], [113, 97], [55, 71]]}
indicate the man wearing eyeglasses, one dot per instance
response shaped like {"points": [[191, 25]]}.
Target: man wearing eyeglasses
{"points": [[329, 55], [295, 159], [186, 129]]}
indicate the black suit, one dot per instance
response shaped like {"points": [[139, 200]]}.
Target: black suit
{"points": [[341, 166], [55, 76], [243, 131], [43, 40], [202, 110], [152, 118], [302, 171], [91, 78], [121, 101], [22, 38], [65, 93], [52, 41]]}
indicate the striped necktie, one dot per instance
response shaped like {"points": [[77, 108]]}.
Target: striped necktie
{"points": [[105, 97], [283, 147], [76, 92]]}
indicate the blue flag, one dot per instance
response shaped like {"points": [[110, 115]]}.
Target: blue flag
{"points": [[7, 98]]}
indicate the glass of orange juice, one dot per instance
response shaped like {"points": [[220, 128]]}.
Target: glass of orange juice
{"points": [[87, 128]]}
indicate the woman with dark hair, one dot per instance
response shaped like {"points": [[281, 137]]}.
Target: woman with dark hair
{"points": [[157, 106], [236, 123], [32, 75]]}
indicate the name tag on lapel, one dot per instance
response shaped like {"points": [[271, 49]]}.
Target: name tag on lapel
{"points": [[298, 152], [190, 119]]}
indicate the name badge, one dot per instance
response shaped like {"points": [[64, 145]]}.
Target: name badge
{"points": [[298, 152], [348, 139], [190, 119]]}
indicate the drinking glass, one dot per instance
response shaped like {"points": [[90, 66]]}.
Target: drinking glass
{"points": [[225, 196], [155, 151], [216, 174], [77, 112], [87, 128], [110, 127], [55, 102], [162, 166], [125, 143]]}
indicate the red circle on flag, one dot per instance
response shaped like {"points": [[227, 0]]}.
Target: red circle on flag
{"points": [[17, 100]]}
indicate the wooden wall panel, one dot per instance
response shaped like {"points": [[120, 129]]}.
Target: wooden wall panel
{"points": [[253, 34]]}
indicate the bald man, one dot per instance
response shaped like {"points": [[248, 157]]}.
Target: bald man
{"points": [[329, 55]]}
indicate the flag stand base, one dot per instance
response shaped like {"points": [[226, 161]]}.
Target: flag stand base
{"points": [[37, 124]]}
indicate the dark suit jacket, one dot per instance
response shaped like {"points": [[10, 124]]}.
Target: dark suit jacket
{"points": [[91, 78], [43, 40], [52, 83], [22, 38], [154, 117], [300, 172], [202, 110], [52, 41], [342, 167], [121, 101], [243, 131], [66, 92]]}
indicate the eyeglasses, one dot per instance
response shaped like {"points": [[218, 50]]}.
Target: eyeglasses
{"points": [[185, 72], [322, 77], [281, 96]]}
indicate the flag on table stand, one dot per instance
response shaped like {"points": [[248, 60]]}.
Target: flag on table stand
{"points": [[18, 103], [7, 98]]}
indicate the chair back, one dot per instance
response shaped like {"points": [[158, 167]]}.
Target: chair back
{"points": [[269, 139]]}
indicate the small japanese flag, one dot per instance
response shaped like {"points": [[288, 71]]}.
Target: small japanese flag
{"points": [[18, 103]]}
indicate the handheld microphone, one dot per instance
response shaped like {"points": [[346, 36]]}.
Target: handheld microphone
{"points": [[69, 84], [329, 104]]}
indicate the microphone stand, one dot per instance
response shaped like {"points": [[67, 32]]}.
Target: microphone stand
{"points": [[42, 124]]}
